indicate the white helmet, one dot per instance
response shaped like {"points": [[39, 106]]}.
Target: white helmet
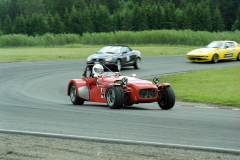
{"points": [[97, 69]]}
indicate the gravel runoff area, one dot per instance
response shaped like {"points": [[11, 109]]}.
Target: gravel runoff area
{"points": [[38, 147]]}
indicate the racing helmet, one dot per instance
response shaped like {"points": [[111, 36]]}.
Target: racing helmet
{"points": [[97, 69]]}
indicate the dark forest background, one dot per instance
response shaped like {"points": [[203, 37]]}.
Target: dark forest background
{"points": [[38, 17]]}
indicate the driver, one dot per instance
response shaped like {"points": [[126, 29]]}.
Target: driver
{"points": [[97, 70]]}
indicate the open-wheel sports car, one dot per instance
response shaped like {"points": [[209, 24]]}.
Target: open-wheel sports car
{"points": [[117, 91]]}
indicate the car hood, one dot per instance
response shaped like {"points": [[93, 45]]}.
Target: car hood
{"points": [[201, 50], [131, 81], [104, 55]]}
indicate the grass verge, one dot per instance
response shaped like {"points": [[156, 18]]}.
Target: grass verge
{"points": [[81, 52], [215, 86]]}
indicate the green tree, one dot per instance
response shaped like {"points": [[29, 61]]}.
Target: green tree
{"points": [[30, 7], [180, 19], [202, 20], [39, 25], [66, 21], [126, 19], [169, 15], [140, 21], [3, 10], [75, 22], [112, 5], [228, 9], [80, 4], [7, 25], [117, 20], [207, 15], [50, 20], [101, 18], [0, 24], [55, 25], [19, 26], [12, 8], [188, 15], [86, 21], [58, 25], [60, 6], [160, 17], [152, 16], [236, 25], [217, 20]]}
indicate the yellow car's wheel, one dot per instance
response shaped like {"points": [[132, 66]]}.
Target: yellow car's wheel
{"points": [[215, 58], [238, 57]]}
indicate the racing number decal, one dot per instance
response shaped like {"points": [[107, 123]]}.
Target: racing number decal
{"points": [[230, 54], [102, 93]]}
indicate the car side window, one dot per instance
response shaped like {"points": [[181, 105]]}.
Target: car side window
{"points": [[229, 45], [125, 49]]}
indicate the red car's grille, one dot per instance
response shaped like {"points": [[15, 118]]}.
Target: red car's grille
{"points": [[147, 93]]}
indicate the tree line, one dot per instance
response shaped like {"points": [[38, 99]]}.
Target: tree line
{"points": [[37, 17]]}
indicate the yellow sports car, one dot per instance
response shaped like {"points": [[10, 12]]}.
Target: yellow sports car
{"points": [[215, 51]]}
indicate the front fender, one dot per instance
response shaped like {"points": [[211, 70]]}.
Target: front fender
{"points": [[78, 83], [163, 85]]}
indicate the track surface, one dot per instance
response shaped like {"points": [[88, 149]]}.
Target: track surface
{"points": [[33, 98]]}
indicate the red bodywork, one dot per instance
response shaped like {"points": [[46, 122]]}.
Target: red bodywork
{"points": [[94, 89]]}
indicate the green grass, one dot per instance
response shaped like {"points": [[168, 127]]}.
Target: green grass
{"points": [[215, 86], [81, 51]]}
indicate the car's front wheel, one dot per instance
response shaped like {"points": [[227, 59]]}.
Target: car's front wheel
{"points": [[238, 57], [119, 65], [137, 64], [114, 97], [215, 58], [73, 96], [166, 98]]}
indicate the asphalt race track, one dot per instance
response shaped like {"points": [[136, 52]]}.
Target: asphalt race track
{"points": [[33, 99]]}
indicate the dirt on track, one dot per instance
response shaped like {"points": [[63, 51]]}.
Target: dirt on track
{"points": [[29, 147]]}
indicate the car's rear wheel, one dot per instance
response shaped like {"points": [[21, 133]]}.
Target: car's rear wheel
{"points": [[114, 97], [215, 58], [73, 96], [119, 65], [238, 57], [166, 98], [137, 64]]}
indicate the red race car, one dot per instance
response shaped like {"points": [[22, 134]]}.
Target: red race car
{"points": [[116, 90]]}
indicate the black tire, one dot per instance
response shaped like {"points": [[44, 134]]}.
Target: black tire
{"points": [[119, 64], [114, 97], [215, 58], [166, 98], [137, 64], [73, 96], [238, 57]]}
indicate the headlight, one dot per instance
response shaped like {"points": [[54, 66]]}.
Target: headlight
{"points": [[124, 80], [89, 58], [109, 59]]}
